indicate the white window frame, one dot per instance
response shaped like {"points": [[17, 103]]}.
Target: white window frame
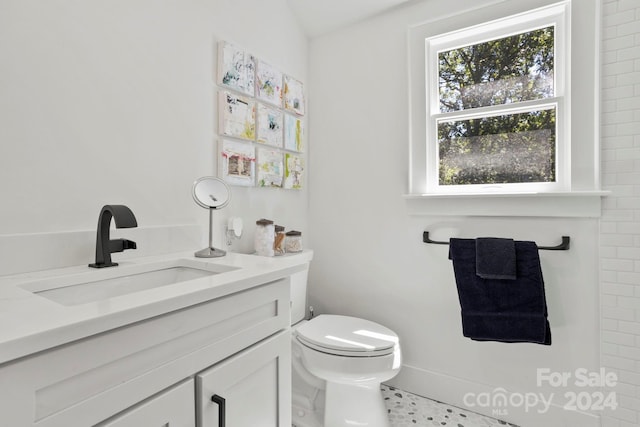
{"points": [[555, 15], [582, 106]]}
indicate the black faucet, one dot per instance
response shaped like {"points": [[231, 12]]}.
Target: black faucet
{"points": [[123, 218]]}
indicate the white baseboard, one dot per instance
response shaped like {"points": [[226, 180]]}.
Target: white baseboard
{"points": [[452, 390]]}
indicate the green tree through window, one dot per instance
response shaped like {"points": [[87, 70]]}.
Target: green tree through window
{"points": [[489, 147]]}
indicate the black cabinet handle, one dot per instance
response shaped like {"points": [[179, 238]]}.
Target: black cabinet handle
{"points": [[219, 400]]}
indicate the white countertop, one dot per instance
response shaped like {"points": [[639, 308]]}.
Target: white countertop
{"points": [[30, 323]]}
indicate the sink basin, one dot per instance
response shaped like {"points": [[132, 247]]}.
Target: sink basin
{"points": [[96, 286]]}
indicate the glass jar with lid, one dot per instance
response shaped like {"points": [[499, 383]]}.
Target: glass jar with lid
{"points": [[293, 241], [264, 237]]}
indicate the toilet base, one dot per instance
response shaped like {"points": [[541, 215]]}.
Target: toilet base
{"points": [[360, 404], [305, 417]]}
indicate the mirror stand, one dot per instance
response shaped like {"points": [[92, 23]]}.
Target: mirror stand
{"points": [[211, 193], [210, 252]]}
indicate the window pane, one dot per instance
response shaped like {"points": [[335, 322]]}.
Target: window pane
{"points": [[511, 148], [503, 71]]}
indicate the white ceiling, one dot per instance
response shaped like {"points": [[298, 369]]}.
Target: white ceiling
{"points": [[319, 17]]}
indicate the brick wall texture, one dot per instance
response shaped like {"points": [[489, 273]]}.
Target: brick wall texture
{"points": [[620, 222]]}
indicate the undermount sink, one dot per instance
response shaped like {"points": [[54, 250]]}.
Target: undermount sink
{"points": [[100, 285]]}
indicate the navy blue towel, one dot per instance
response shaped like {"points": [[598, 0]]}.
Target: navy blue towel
{"points": [[495, 258], [501, 310]]}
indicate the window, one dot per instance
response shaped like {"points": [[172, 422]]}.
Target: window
{"points": [[496, 105], [567, 181]]}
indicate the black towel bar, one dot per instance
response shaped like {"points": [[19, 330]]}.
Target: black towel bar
{"points": [[564, 246]]}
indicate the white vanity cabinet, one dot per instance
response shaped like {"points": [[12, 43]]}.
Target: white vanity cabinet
{"points": [[248, 390], [157, 371], [171, 408]]}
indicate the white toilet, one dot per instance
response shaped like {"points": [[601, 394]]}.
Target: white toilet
{"points": [[338, 365]]}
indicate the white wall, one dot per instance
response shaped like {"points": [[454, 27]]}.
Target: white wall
{"points": [[620, 227], [369, 257], [114, 102]]}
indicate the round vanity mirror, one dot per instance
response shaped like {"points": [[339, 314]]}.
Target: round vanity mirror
{"points": [[211, 193]]}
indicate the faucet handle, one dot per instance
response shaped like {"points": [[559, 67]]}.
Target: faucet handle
{"points": [[129, 244], [119, 245]]}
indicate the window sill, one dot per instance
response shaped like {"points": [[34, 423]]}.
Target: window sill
{"points": [[577, 204]]}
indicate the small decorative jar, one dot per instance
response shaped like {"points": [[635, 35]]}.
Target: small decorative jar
{"points": [[264, 237], [278, 243], [294, 241]]}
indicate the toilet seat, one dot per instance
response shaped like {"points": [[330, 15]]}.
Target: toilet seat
{"points": [[347, 336]]}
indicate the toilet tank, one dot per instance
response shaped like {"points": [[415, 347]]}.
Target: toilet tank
{"points": [[299, 295]]}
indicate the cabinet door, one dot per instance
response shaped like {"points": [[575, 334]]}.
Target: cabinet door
{"points": [[250, 389], [172, 408]]}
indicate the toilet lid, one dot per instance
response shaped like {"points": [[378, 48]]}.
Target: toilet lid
{"points": [[347, 336]]}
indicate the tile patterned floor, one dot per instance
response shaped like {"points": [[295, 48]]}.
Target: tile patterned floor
{"points": [[409, 410]]}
